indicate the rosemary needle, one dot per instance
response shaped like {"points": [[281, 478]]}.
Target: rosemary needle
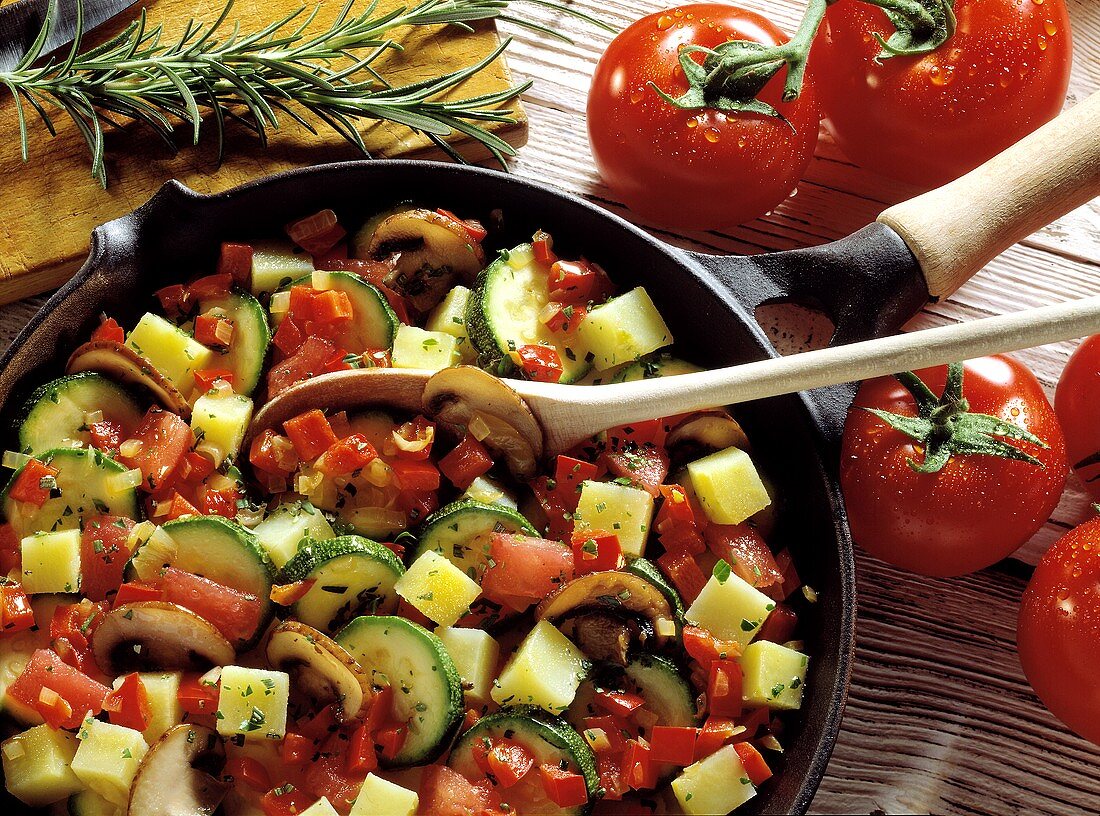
{"points": [[255, 77]]}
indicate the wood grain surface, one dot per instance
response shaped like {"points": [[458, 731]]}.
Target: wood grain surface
{"points": [[940, 719], [53, 203]]}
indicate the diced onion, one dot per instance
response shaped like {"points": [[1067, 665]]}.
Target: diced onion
{"points": [[321, 280], [141, 533], [72, 443], [219, 388], [210, 451], [548, 312], [597, 739], [130, 448], [249, 517], [14, 459], [769, 741], [121, 482], [415, 445], [479, 428], [212, 677], [666, 627], [377, 519], [809, 593], [219, 481], [13, 749], [92, 417], [307, 482], [377, 473], [280, 303]]}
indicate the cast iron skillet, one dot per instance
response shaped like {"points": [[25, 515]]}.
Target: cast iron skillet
{"points": [[869, 283]]}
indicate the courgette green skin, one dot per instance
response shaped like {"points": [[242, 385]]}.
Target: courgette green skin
{"points": [[439, 526], [28, 419], [315, 553], [252, 332]]}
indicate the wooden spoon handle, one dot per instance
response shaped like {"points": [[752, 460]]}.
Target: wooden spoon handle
{"points": [[957, 229], [609, 405]]}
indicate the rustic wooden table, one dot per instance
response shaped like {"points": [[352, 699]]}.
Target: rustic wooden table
{"points": [[940, 718]]}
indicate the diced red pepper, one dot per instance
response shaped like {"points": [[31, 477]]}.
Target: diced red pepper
{"points": [[715, 733], [610, 769], [474, 229], [756, 767], [414, 475], [563, 317], [248, 770], [289, 337], [197, 466], [211, 286], [286, 800], [639, 766], [753, 721], [135, 592], [563, 788], [376, 358], [175, 507], [297, 749], [417, 505], [684, 572], [374, 272], [542, 246], [235, 260], [569, 474], [109, 329], [175, 300], [391, 739], [16, 614], [790, 580], [196, 696], [128, 705], [558, 514], [705, 648], [11, 555], [105, 435], [509, 762], [273, 453], [317, 233], [332, 306], [724, 688], [571, 281], [466, 462], [321, 724], [618, 703], [214, 331], [361, 757], [34, 483], [220, 502], [341, 361], [53, 708], [676, 508], [596, 551], [539, 363], [381, 709], [288, 594], [674, 744], [205, 379], [780, 624], [347, 455], [310, 433]]}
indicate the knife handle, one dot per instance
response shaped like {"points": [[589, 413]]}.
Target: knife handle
{"points": [[958, 228]]}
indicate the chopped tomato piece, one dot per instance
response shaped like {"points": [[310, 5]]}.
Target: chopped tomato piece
{"points": [[610, 769], [317, 233], [211, 286], [753, 722], [104, 552], [416, 476], [571, 281], [445, 792], [289, 337], [16, 614], [391, 739], [596, 551], [646, 466], [542, 246], [328, 774], [46, 670], [466, 462], [235, 260], [618, 703], [34, 483], [558, 515], [105, 435], [248, 770], [273, 453], [381, 709], [310, 433], [332, 306], [509, 762], [196, 466], [790, 580], [297, 749], [744, 550], [288, 594], [286, 800], [234, 613], [780, 624], [637, 434], [361, 756], [134, 592], [347, 456], [11, 555], [214, 331], [756, 768], [674, 744], [525, 567], [562, 317], [174, 507], [163, 439], [724, 688], [309, 360], [639, 766], [175, 300], [220, 502], [108, 329], [128, 705], [569, 474], [563, 788], [705, 648], [196, 696], [321, 724], [684, 572], [539, 363], [339, 252], [374, 272], [715, 733]]}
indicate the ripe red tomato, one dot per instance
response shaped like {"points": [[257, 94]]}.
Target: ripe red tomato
{"points": [[928, 119], [1059, 628], [978, 508], [698, 169], [1075, 402]]}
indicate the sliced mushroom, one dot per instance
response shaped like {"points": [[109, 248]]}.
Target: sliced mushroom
{"points": [[180, 775], [126, 365], [473, 399], [606, 635], [429, 252], [156, 635], [702, 433], [610, 592], [320, 669]]}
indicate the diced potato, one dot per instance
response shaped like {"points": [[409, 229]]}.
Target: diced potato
{"points": [[108, 758], [773, 675], [322, 807], [449, 317], [727, 486], [416, 348], [379, 797], [275, 264], [716, 784], [475, 654], [282, 531], [253, 703], [620, 509], [219, 423], [545, 671], [623, 329], [437, 588], [162, 689], [489, 491], [174, 353], [51, 562], [36, 765], [731, 609]]}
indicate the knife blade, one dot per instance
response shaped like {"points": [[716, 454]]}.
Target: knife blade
{"points": [[21, 22]]}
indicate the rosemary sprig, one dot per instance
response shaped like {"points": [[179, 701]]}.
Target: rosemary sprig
{"points": [[253, 77]]}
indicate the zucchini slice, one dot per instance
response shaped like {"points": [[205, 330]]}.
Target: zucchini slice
{"points": [[353, 576], [661, 364], [461, 531], [551, 740], [56, 412], [215, 548], [645, 568], [374, 323], [427, 686], [85, 487], [503, 314], [251, 336]]}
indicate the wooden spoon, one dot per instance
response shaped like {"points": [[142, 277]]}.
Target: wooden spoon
{"points": [[570, 414]]}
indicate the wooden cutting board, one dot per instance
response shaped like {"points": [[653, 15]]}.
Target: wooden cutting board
{"points": [[51, 204]]}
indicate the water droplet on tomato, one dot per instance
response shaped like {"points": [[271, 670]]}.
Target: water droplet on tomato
{"points": [[690, 17], [1015, 411], [679, 12], [1051, 29], [956, 54], [636, 95], [712, 135], [941, 76], [664, 22], [1042, 43], [693, 123], [1037, 2]]}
